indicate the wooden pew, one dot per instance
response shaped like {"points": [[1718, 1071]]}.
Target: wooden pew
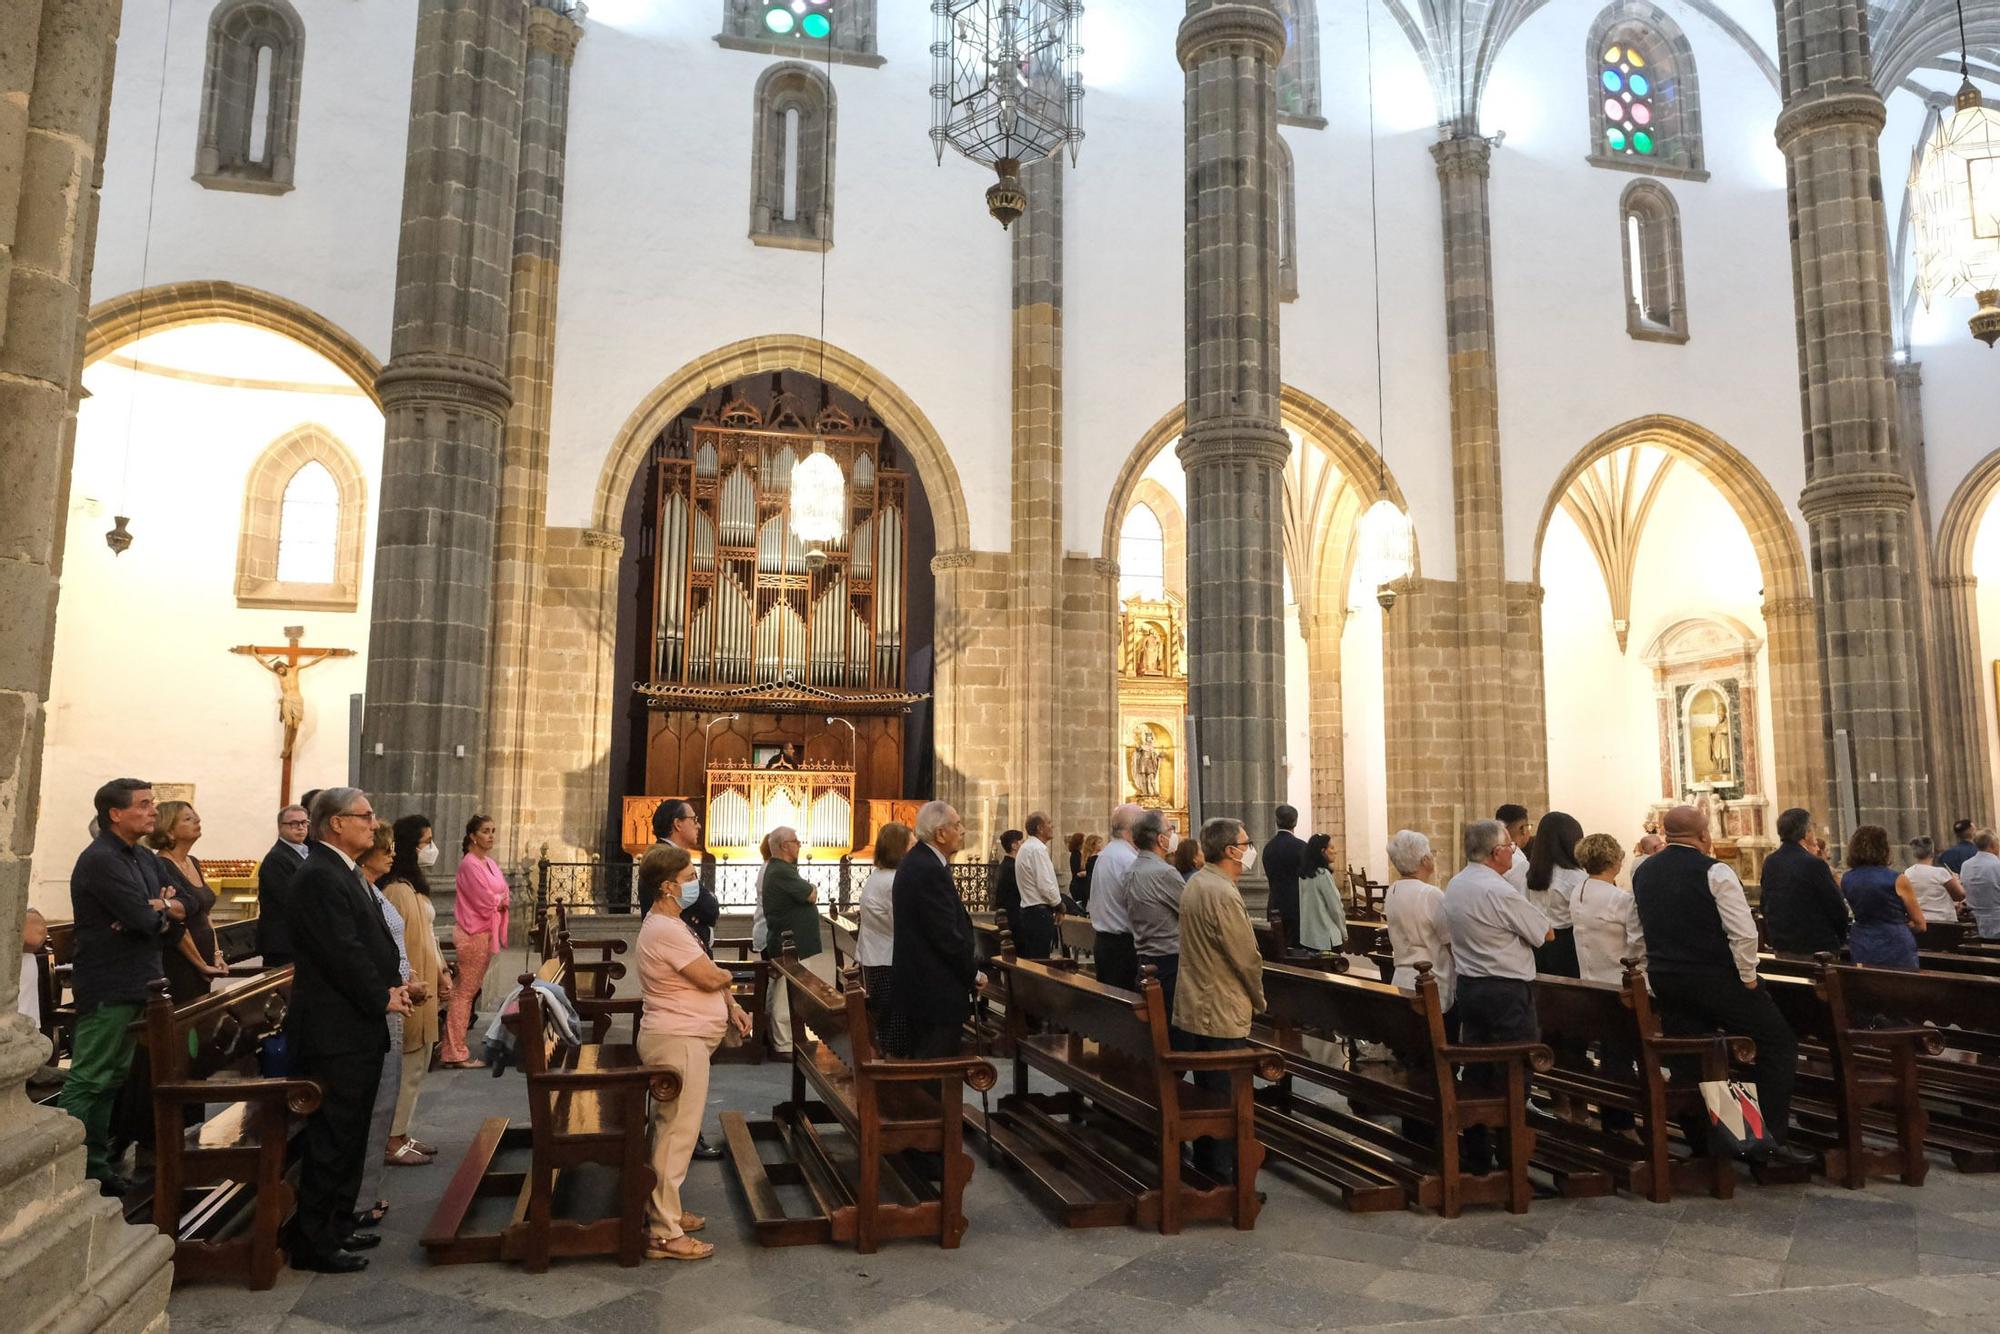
{"points": [[888, 1108], [593, 969], [586, 1105], [219, 1187], [750, 983], [1592, 1012], [1271, 948], [1370, 1165], [845, 932], [1076, 939], [1107, 1149]]}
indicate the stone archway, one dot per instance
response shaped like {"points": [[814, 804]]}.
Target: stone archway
{"points": [[124, 319], [1964, 759], [1797, 727]]}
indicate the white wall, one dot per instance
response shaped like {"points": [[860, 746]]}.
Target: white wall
{"points": [[1695, 559], [143, 682], [1986, 567]]}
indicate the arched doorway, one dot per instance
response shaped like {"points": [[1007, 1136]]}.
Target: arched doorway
{"points": [[1967, 582], [239, 434], [1671, 571]]}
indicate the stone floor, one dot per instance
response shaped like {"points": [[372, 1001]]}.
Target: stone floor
{"points": [[1774, 1261]]}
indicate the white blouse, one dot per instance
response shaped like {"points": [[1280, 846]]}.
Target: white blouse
{"points": [[875, 944], [1418, 934], [1555, 901], [1607, 931], [1933, 897]]}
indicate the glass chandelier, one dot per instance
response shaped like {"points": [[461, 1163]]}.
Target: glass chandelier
{"points": [[819, 502], [1005, 82], [1957, 185]]}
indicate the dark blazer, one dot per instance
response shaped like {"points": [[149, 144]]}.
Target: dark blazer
{"points": [[790, 904], [1804, 910], [935, 965], [274, 886], [344, 961], [1283, 857], [1007, 892]]}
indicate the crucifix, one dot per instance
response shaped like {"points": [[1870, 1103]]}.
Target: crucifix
{"points": [[286, 663]]}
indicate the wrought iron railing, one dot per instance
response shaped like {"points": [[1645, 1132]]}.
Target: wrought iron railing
{"points": [[611, 886]]}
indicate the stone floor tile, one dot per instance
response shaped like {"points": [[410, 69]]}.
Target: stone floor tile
{"points": [[1433, 1292]]}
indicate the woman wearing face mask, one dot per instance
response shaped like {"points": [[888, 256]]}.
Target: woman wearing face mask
{"points": [[409, 893], [686, 1009]]}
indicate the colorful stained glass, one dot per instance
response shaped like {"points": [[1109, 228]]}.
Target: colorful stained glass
{"points": [[1613, 109], [816, 25], [1642, 114], [1628, 105], [1637, 61], [799, 18], [1642, 142], [1613, 81], [1613, 56], [1616, 138], [1640, 85]]}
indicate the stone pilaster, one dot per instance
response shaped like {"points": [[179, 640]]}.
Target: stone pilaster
{"points": [[68, 1260], [1423, 714], [971, 724], [1234, 449], [1039, 623], [520, 540], [1322, 626], [1798, 748], [446, 396], [1086, 711], [1858, 499], [1493, 767]]}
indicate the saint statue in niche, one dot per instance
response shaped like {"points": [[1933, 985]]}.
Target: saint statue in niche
{"points": [[1152, 656], [1145, 763], [1710, 748]]}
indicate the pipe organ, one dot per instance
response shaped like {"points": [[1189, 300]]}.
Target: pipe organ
{"points": [[741, 619]]}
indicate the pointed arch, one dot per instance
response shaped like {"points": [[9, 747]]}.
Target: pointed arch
{"points": [[792, 144], [1649, 223], [250, 97], [262, 532], [1298, 72], [1638, 63]]}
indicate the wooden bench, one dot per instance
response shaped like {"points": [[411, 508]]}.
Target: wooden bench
{"points": [[889, 1109], [1372, 1166], [219, 1187], [1574, 1014], [1107, 1149], [1271, 947], [750, 984], [845, 933], [1076, 939], [586, 1106]]}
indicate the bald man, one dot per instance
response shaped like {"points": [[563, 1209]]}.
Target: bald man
{"points": [[791, 907], [1701, 944], [1115, 955]]}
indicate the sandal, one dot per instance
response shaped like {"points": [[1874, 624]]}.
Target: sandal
{"points": [[693, 1222], [677, 1248], [406, 1154], [471, 1063], [427, 1150]]}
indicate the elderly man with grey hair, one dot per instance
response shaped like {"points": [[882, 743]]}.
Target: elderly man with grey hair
{"points": [[1414, 909], [1153, 897], [936, 966], [1494, 932], [1114, 954]]}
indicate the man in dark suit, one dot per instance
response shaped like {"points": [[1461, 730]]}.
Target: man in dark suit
{"points": [[675, 822], [936, 971], [274, 886], [346, 981], [1804, 910], [1283, 857]]}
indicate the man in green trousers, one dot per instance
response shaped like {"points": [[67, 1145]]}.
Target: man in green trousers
{"points": [[122, 914]]}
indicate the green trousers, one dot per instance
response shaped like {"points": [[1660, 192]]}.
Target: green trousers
{"points": [[100, 1058]]}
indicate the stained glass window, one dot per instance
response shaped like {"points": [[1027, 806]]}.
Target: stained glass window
{"points": [[809, 19], [1627, 81]]}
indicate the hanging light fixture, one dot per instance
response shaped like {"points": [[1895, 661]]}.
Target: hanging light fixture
{"points": [[1957, 185], [819, 490], [1385, 547], [1006, 78]]}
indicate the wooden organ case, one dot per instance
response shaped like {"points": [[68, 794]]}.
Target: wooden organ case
{"points": [[774, 675]]}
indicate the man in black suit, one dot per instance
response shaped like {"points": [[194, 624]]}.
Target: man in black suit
{"points": [[346, 981], [1804, 910], [935, 967], [1283, 856], [274, 886]]}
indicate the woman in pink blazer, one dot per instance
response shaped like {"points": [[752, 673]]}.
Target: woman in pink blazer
{"points": [[478, 931]]}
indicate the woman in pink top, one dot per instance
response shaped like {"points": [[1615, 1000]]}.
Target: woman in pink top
{"points": [[478, 930], [686, 1009]]}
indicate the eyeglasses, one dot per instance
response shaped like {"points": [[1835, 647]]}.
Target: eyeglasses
{"points": [[355, 815], [289, 823]]}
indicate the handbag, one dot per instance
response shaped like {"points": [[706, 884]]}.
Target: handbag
{"points": [[1736, 1120]]}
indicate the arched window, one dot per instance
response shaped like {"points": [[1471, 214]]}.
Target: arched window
{"points": [[1298, 73], [1288, 223], [1655, 290], [1644, 98], [1142, 555], [250, 97], [304, 510], [816, 30], [791, 168]]}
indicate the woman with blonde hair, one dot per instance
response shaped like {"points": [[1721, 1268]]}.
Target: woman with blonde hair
{"points": [[875, 948], [479, 931], [194, 960], [685, 1010]]}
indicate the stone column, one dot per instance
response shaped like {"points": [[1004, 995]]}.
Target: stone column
{"points": [[1038, 599], [445, 396], [1234, 449], [1858, 499], [1422, 714], [1494, 770], [973, 697], [519, 790], [68, 1260]]}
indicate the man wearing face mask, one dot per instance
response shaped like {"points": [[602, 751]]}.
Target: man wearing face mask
{"points": [[1221, 984]]}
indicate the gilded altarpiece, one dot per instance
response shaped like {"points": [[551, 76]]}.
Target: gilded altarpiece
{"points": [[1152, 704], [1706, 705]]}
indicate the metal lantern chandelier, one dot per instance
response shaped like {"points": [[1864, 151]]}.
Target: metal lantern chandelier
{"points": [[1957, 181], [1005, 82], [819, 501]]}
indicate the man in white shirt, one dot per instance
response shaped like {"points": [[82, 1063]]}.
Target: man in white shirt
{"points": [[1115, 956], [1035, 878], [1981, 877], [1520, 829]]}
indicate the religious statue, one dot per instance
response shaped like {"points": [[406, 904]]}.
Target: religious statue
{"points": [[1711, 758], [1145, 764], [1152, 657], [286, 663]]}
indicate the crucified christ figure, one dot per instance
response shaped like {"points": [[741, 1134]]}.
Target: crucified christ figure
{"points": [[286, 663]]}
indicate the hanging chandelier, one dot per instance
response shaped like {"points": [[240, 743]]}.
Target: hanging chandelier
{"points": [[1006, 78], [1383, 551], [1957, 185], [819, 502]]}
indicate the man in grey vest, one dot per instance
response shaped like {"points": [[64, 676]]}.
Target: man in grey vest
{"points": [[1701, 944]]}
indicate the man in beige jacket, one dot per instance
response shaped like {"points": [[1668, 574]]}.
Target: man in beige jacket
{"points": [[1221, 974]]}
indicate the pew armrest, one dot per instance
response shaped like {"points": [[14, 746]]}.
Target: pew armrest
{"points": [[592, 1007], [1739, 1049], [1922, 1036], [974, 1070], [302, 1096], [606, 946], [663, 1082], [1265, 1065], [1536, 1054]]}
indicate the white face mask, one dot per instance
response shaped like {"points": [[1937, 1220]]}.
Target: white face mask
{"points": [[1249, 859], [690, 892], [427, 855]]}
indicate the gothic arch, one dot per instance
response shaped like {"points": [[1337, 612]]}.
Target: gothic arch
{"points": [[1797, 732], [241, 34], [793, 102], [124, 319], [1958, 527], [1670, 104], [1173, 529], [257, 582]]}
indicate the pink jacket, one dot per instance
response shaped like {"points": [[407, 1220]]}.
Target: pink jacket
{"points": [[482, 898]]}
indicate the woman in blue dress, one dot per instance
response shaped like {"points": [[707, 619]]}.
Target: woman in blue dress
{"points": [[1886, 915]]}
